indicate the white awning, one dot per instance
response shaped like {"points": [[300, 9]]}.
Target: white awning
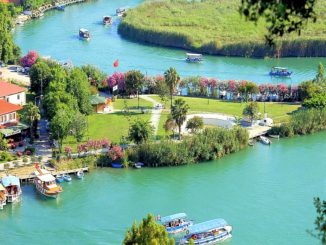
{"points": [[46, 177]]}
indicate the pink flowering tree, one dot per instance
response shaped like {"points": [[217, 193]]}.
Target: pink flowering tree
{"points": [[282, 90], [213, 85], [29, 59], [116, 153], [68, 150], [117, 78], [203, 84], [232, 86]]}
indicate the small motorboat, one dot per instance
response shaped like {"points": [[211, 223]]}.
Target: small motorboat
{"points": [[121, 12], [265, 140], [116, 165], [84, 34], [66, 177], [277, 71], [194, 57], [60, 7], [59, 178], [107, 20], [138, 165], [80, 174]]}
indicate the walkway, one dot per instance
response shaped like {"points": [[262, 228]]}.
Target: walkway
{"points": [[42, 145], [156, 113]]}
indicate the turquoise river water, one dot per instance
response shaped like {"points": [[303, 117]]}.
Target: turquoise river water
{"points": [[56, 35], [266, 193]]}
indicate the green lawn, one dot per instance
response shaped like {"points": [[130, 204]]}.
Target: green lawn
{"points": [[119, 104], [111, 126], [279, 112]]}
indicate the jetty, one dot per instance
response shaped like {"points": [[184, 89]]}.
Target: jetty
{"points": [[256, 131]]}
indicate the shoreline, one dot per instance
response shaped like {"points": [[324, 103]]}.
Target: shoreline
{"points": [[22, 18]]}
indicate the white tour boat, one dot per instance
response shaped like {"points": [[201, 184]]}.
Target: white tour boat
{"points": [[12, 185], [175, 223], [194, 57], [45, 183]]}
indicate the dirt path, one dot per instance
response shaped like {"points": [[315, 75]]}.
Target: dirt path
{"points": [[156, 113], [9, 73]]}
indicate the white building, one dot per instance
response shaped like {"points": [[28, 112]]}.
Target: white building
{"points": [[12, 93]]}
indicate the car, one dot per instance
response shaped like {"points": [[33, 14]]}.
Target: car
{"points": [[158, 106]]}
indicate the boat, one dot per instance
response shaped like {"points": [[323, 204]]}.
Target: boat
{"points": [[121, 11], [107, 20], [277, 71], [84, 33], [12, 185], [175, 223], [265, 140], [60, 7], [45, 183], [3, 196], [80, 174], [66, 177], [138, 165], [59, 178], [209, 232], [274, 136], [194, 57], [116, 165]]}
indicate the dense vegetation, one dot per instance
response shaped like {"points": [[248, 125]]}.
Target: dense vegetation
{"points": [[216, 27], [210, 144], [9, 52]]}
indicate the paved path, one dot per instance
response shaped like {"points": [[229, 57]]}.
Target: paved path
{"points": [[42, 145], [156, 113]]}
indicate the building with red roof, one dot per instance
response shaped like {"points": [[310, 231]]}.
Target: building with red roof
{"points": [[8, 113], [12, 93]]}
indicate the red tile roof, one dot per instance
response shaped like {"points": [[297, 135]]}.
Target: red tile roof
{"points": [[9, 89], [6, 107]]}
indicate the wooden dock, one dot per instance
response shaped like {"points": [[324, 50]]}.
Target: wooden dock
{"points": [[257, 131], [27, 178]]}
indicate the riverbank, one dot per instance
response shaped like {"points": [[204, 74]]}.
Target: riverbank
{"points": [[216, 27], [21, 18]]}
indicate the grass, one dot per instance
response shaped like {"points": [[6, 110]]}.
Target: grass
{"points": [[216, 27], [119, 104], [279, 112], [111, 126]]}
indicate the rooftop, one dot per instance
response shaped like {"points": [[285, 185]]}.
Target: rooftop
{"points": [[97, 99], [6, 107], [9, 89]]}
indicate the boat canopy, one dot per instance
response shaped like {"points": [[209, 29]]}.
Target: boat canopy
{"points": [[83, 30], [173, 217], [10, 180], [46, 177], [207, 226], [191, 55], [279, 68], [2, 188]]}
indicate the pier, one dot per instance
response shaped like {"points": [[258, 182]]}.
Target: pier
{"points": [[256, 131]]}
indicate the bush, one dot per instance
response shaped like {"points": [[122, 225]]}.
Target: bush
{"points": [[284, 130], [31, 150]]}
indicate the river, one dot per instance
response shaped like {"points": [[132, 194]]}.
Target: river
{"points": [[265, 192], [56, 35]]}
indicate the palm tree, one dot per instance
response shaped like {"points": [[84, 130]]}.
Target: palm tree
{"points": [[170, 125], [31, 114], [172, 79], [179, 113]]}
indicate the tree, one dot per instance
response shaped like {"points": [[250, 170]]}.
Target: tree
{"points": [[78, 86], [3, 143], [161, 88], [148, 232], [320, 77], [60, 125], [194, 124], [282, 17], [317, 101], [172, 79], [320, 221], [94, 74], [40, 74], [9, 52], [140, 131], [29, 59], [31, 114], [134, 82], [307, 90], [179, 113], [170, 125], [252, 111], [78, 126]]}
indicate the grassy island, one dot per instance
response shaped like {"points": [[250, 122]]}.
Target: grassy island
{"points": [[216, 27]]}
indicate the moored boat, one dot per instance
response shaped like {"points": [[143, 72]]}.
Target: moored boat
{"points": [[120, 11], [175, 223], [59, 178], [138, 165], [3, 196], [84, 33], [116, 165], [209, 232], [275, 136], [45, 183], [280, 72], [265, 140], [80, 174], [107, 20], [194, 57], [60, 7], [66, 177], [12, 186]]}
